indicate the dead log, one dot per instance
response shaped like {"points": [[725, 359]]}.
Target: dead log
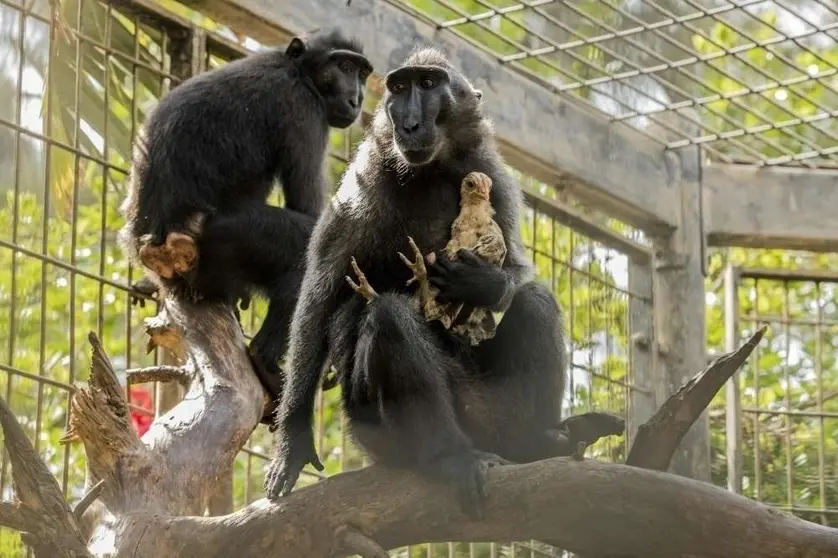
{"points": [[154, 489]]}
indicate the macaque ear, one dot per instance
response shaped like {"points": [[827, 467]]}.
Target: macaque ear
{"points": [[296, 48], [478, 93]]}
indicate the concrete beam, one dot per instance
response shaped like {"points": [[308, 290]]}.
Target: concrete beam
{"points": [[770, 207], [607, 166], [679, 311]]}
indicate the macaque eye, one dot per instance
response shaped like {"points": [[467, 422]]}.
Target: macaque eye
{"points": [[346, 66], [398, 87], [427, 83]]}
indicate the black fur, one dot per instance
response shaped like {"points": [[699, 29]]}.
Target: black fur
{"points": [[416, 396], [213, 147]]}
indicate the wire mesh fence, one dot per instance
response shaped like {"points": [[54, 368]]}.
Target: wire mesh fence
{"points": [[77, 95], [749, 80], [783, 420]]}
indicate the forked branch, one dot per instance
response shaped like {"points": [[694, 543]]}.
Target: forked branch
{"points": [[165, 332], [658, 439]]}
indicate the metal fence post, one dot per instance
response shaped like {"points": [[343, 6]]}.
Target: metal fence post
{"points": [[733, 423]]}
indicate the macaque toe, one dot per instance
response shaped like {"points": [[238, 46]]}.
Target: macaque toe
{"points": [[156, 258], [183, 252]]}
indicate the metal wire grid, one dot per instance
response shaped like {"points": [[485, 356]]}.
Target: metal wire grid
{"points": [[788, 407], [74, 99], [62, 220], [62, 273], [750, 80]]}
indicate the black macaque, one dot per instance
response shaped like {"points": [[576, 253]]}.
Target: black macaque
{"points": [[415, 395], [204, 165]]}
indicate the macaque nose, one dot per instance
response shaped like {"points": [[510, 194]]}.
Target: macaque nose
{"points": [[410, 127]]}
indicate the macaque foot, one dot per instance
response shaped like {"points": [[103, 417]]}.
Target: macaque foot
{"points": [[572, 433], [357, 542], [178, 255], [492, 459], [143, 289], [579, 453], [362, 287], [466, 473]]}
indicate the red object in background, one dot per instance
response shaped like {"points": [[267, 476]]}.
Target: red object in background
{"points": [[141, 397]]}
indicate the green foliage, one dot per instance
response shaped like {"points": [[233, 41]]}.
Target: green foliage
{"points": [[10, 544], [788, 459]]}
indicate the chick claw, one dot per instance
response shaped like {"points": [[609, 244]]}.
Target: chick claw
{"points": [[363, 286], [420, 272]]}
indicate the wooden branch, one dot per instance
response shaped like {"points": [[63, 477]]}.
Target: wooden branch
{"points": [[595, 509], [161, 373], [175, 468], [658, 439], [158, 477], [40, 510], [99, 417], [164, 332], [11, 517], [88, 499]]}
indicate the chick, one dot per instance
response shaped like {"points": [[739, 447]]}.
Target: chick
{"points": [[474, 230]]}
